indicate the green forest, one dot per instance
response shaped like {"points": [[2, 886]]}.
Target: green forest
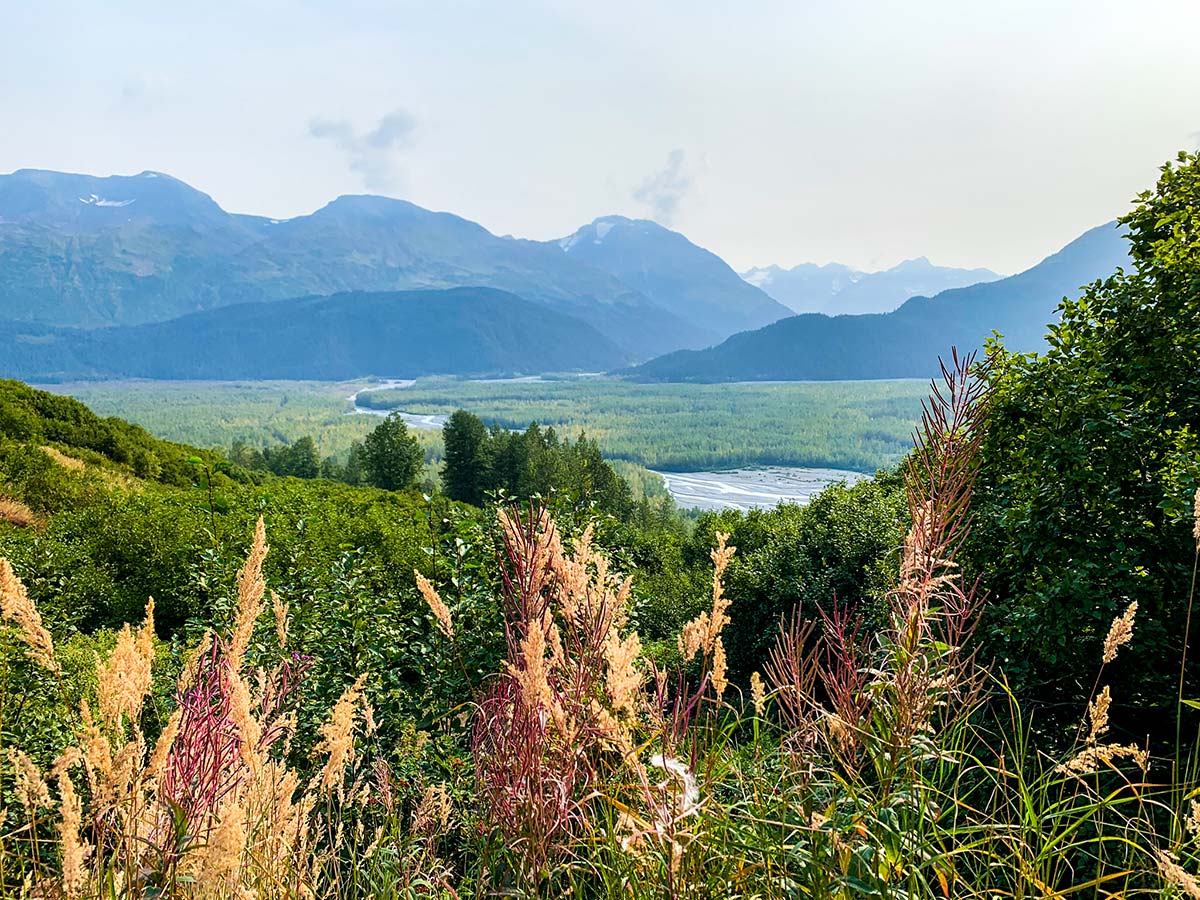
{"points": [[285, 660], [861, 426]]}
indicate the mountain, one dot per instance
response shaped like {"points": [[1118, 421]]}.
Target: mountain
{"points": [[695, 285], [124, 250], [460, 331], [905, 343], [835, 289]]}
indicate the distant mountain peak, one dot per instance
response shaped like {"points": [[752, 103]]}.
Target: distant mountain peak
{"points": [[836, 289]]}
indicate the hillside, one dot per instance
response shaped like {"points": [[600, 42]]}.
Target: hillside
{"points": [[686, 280], [78, 250], [905, 343], [459, 331]]}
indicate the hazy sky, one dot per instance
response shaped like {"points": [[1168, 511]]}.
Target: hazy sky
{"points": [[978, 134]]}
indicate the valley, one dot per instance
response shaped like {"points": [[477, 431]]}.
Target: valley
{"points": [[774, 432]]}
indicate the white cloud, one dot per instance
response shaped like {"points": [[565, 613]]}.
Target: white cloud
{"points": [[372, 154]]}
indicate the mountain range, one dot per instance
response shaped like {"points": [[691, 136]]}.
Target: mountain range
{"points": [[907, 342], [835, 289], [78, 250], [146, 276], [456, 331]]}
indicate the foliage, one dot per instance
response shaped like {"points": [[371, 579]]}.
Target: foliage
{"points": [[391, 457], [33, 416], [862, 763], [1091, 459], [860, 426]]}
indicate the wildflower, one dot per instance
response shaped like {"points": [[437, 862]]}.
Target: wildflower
{"points": [[1120, 633], [758, 693], [337, 735], [441, 613], [16, 607]]}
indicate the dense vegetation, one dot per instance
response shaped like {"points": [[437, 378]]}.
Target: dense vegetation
{"points": [[860, 426], [411, 697], [1091, 457]]}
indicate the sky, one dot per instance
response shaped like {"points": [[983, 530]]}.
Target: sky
{"points": [[864, 132]]}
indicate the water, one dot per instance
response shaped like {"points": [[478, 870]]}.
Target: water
{"points": [[749, 488], [421, 421]]}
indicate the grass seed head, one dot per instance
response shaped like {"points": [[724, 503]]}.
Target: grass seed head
{"points": [[1120, 633], [17, 608]]}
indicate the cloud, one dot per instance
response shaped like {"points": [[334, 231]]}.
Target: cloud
{"points": [[372, 153], [664, 190], [141, 95]]}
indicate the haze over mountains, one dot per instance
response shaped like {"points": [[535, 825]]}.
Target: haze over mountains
{"points": [[907, 342], [125, 250], [457, 331], [688, 281], [146, 276], [838, 290]]}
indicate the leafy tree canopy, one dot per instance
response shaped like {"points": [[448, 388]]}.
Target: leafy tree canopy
{"points": [[1091, 460]]}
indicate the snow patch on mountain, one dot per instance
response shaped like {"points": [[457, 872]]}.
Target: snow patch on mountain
{"points": [[93, 200]]}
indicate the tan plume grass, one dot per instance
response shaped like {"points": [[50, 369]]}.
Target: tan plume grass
{"points": [[1120, 633], [251, 590], [67, 462], [31, 788], [16, 513], [125, 679], [758, 692], [703, 633], [17, 608], [337, 736], [441, 613], [280, 611], [1196, 519], [74, 851], [1177, 876], [1098, 714], [1091, 758]]}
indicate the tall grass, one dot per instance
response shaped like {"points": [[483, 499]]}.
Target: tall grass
{"points": [[892, 764]]}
